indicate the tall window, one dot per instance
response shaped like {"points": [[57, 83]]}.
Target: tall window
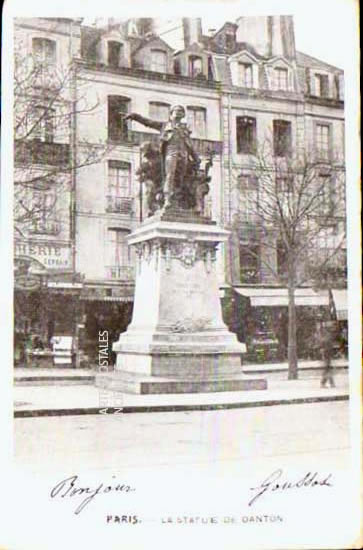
{"points": [[282, 138], [245, 75], [323, 141], [114, 53], [117, 127], [281, 257], [321, 85], [247, 198], [43, 212], [249, 264], [281, 78], [118, 255], [159, 111], [44, 54], [42, 123], [196, 117], [195, 66], [246, 135], [158, 61], [44, 51], [119, 186], [326, 195]]}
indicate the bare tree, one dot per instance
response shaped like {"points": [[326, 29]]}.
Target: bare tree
{"points": [[48, 98], [296, 205]]}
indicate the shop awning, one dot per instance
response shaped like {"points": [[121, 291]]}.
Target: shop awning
{"points": [[270, 297], [340, 298]]}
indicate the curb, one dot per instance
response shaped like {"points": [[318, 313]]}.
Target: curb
{"points": [[175, 408]]}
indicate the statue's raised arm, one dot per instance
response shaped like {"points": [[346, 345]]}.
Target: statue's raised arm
{"points": [[145, 121]]}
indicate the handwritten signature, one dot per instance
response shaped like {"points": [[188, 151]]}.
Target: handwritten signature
{"points": [[274, 483], [69, 488]]}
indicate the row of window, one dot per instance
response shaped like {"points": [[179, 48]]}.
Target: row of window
{"points": [[250, 264], [196, 118], [247, 140], [282, 137], [118, 128], [246, 77], [248, 197], [44, 52]]}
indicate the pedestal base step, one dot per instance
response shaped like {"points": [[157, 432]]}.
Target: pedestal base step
{"points": [[136, 384]]}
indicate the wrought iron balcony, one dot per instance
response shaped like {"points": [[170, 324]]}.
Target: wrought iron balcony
{"points": [[144, 74], [121, 272], [119, 205], [41, 152], [202, 146], [48, 227]]}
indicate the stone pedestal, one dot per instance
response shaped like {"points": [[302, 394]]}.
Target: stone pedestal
{"points": [[177, 341]]}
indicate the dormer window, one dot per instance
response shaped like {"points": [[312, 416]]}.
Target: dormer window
{"points": [[246, 75], [322, 85], [114, 53], [230, 40], [280, 78], [159, 61], [195, 66]]}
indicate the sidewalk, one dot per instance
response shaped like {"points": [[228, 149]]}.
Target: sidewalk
{"points": [[53, 375], [59, 400]]}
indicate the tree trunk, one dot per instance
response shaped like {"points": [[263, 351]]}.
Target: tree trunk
{"points": [[292, 351]]}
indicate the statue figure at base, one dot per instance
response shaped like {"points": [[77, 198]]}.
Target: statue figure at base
{"points": [[172, 172]]}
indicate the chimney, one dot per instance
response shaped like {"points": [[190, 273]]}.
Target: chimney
{"points": [[269, 35], [192, 31]]}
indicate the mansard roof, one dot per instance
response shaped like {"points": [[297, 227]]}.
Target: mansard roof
{"points": [[307, 61], [153, 40], [238, 47]]}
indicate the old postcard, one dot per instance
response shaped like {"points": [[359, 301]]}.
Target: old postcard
{"points": [[181, 261]]}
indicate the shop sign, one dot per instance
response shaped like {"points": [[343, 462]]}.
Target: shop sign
{"points": [[50, 255], [29, 274]]}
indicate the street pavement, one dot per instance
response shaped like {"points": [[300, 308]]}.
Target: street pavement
{"points": [[223, 438], [45, 392], [58, 399]]}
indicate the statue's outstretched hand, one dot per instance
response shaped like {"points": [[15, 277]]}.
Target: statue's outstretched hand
{"points": [[130, 116]]}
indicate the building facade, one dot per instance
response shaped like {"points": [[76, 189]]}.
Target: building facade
{"points": [[240, 85]]}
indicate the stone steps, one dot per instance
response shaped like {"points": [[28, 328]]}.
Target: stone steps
{"points": [[147, 385]]}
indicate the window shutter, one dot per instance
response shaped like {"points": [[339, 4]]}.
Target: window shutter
{"points": [[312, 82], [341, 87]]}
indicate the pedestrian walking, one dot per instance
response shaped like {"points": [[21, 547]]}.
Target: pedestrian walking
{"points": [[327, 354]]}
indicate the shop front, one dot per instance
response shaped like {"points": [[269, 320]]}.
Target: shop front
{"points": [[260, 319], [46, 306], [107, 311]]}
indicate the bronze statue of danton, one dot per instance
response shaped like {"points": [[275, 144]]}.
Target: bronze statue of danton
{"points": [[172, 173]]}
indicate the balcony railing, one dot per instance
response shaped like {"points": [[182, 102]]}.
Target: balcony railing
{"points": [[121, 272], [202, 146], [48, 227], [119, 205], [41, 152], [152, 75]]}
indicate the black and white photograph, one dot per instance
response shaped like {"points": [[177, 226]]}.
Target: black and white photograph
{"points": [[180, 236]]}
